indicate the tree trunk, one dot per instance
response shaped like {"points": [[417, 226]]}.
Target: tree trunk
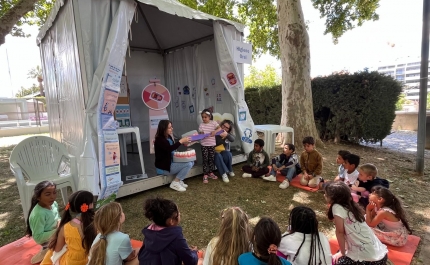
{"points": [[13, 15], [297, 106]]}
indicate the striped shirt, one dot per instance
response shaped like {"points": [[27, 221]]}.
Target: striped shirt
{"points": [[208, 128]]}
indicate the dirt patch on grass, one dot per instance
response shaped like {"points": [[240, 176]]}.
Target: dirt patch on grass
{"points": [[201, 204]]}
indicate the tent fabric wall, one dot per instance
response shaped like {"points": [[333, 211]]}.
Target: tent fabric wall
{"points": [[224, 36], [63, 85], [140, 67], [98, 40]]}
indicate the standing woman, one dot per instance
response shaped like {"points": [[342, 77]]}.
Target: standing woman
{"points": [[164, 145], [223, 156]]}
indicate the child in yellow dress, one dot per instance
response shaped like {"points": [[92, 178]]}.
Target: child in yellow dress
{"points": [[72, 241]]}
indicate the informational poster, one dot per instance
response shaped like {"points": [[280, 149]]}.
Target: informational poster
{"points": [[123, 92], [122, 115], [155, 116], [109, 160]]}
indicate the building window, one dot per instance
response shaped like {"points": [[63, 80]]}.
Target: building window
{"points": [[400, 65], [417, 63], [391, 66], [400, 71], [412, 75], [412, 68], [382, 68]]}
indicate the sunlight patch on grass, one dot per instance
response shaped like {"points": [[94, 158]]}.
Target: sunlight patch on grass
{"points": [[301, 197], [3, 219]]}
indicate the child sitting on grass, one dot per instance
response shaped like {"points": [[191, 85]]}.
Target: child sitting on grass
{"points": [[257, 162], [311, 164], [367, 179], [287, 164], [340, 160], [387, 218]]}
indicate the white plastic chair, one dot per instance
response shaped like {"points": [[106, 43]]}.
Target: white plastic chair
{"points": [[40, 158]]}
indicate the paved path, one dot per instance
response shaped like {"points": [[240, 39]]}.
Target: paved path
{"points": [[402, 141]]}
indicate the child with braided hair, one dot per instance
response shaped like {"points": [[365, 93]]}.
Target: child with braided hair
{"points": [[111, 247], [266, 239], [303, 244]]}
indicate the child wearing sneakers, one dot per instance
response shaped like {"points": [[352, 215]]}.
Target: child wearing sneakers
{"points": [[311, 163], [340, 160], [286, 163], [257, 162]]}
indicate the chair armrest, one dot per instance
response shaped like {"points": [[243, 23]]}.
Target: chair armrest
{"points": [[73, 166], [16, 169]]}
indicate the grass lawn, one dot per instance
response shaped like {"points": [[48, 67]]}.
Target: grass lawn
{"points": [[201, 204]]}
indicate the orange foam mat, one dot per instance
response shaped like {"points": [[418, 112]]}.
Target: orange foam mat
{"points": [[296, 183], [22, 250], [397, 255]]}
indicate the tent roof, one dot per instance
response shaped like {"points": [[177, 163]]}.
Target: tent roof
{"points": [[167, 24]]}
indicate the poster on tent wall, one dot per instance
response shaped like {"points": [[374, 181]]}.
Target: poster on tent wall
{"points": [[110, 172], [110, 76], [156, 97]]}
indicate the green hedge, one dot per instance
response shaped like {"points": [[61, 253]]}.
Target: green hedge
{"points": [[353, 107]]}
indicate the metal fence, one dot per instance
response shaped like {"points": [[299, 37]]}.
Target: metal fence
{"points": [[23, 112]]}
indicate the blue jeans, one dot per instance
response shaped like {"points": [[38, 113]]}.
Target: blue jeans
{"points": [[223, 162], [290, 173], [180, 169]]}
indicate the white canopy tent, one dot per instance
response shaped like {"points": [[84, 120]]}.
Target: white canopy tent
{"points": [[165, 39]]}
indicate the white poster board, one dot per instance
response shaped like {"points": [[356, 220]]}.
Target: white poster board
{"points": [[242, 52]]}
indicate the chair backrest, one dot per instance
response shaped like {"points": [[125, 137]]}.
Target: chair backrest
{"points": [[39, 157]]}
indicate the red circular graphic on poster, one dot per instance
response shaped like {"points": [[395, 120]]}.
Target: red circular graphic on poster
{"points": [[156, 96], [231, 79]]}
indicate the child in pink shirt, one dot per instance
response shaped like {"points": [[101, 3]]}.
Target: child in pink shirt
{"points": [[208, 144]]}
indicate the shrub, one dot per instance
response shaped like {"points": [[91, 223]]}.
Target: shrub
{"points": [[353, 107], [265, 104]]}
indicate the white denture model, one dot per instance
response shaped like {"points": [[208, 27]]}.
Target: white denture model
{"points": [[186, 156]]}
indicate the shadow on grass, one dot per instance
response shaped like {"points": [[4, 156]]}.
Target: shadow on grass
{"points": [[12, 226]]}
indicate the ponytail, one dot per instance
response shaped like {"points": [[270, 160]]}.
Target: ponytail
{"points": [[98, 252]]}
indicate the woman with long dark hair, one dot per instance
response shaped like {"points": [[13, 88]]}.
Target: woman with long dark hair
{"points": [[223, 156], [164, 145]]}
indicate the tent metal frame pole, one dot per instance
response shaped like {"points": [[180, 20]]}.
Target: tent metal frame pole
{"points": [[421, 139], [149, 27], [134, 48], [197, 41]]}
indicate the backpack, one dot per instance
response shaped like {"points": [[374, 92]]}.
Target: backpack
{"points": [[381, 182]]}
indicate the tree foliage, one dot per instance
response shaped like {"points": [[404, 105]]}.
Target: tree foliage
{"points": [[267, 77], [345, 15], [16, 13], [27, 91]]}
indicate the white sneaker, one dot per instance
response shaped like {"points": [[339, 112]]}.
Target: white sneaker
{"points": [[175, 185], [231, 174], [270, 178], [246, 175], [285, 184], [225, 178], [183, 184]]}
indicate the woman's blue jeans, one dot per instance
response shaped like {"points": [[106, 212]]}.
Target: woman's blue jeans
{"points": [[223, 162], [179, 169]]}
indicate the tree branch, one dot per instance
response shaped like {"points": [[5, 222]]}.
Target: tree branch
{"points": [[13, 15]]}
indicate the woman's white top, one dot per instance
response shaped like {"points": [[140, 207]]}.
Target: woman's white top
{"points": [[361, 243], [290, 243]]}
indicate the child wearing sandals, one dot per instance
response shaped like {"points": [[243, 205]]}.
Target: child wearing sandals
{"points": [[208, 144], [71, 243], [357, 243], [266, 239], [386, 217], [232, 239], [303, 244], [43, 217]]}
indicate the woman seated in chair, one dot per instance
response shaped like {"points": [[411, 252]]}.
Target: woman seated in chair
{"points": [[223, 156], [164, 145]]}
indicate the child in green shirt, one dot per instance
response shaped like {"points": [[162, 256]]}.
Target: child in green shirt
{"points": [[43, 216]]}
